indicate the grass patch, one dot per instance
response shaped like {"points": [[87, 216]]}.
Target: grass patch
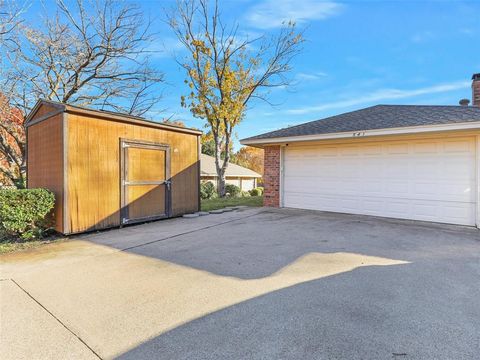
{"points": [[220, 203], [8, 245]]}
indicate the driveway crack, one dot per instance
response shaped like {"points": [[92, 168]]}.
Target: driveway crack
{"points": [[56, 318]]}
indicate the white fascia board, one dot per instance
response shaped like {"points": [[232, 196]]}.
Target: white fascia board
{"points": [[366, 133]]}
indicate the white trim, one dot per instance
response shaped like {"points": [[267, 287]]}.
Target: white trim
{"points": [[477, 178], [366, 133]]}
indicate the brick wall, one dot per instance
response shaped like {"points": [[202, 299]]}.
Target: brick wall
{"points": [[271, 176]]}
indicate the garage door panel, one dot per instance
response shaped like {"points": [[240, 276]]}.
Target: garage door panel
{"points": [[351, 151], [398, 149], [425, 210], [369, 188], [373, 206], [457, 147], [459, 167], [422, 147], [407, 209], [399, 168], [425, 189], [371, 150], [397, 187], [398, 207], [431, 180], [457, 212], [350, 204], [457, 191]]}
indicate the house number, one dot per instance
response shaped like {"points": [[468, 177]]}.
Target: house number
{"points": [[357, 134]]}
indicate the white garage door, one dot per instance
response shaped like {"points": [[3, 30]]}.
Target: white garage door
{"points": [[431, 180]]}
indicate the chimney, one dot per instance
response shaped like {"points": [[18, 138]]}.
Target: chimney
{"points": [[464, 102], [476, 89]]}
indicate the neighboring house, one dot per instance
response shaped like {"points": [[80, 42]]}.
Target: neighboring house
{"points": [[244, 178], [402, 161]]}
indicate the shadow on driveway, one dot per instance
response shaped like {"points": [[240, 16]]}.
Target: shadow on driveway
{"points": [[264, 284], [428, 309]]}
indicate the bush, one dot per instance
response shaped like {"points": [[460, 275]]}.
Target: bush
{"points": [[245, 194], [207, 190], [23, 212], [258, 191], [232, 190]]}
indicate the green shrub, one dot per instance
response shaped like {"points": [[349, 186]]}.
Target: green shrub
{"points": [[258, 191], [207, 190], [232, 190], [245, 194], [23, 212]]}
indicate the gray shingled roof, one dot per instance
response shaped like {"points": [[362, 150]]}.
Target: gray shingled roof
{"points": [[380, 117]]}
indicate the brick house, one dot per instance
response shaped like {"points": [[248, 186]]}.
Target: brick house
{"points": [[417, 162]]}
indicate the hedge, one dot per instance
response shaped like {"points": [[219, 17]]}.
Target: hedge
{"points": [[258, 191], [207, 190], [24, 212], [233, 190]]}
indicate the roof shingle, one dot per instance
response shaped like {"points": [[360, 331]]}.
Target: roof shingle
{"points": [[380, 117], [208, 168]]}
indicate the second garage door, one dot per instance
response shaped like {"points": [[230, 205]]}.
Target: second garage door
{"points": [[430, 180]]}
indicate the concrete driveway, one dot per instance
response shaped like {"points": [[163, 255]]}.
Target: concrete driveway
{"points": [[251, 284]]}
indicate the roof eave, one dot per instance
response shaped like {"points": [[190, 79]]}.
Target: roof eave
{"points": [[363, 133], [107, 115], [129, 119]]}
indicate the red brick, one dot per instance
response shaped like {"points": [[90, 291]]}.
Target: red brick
{"points": [[271, 178]]}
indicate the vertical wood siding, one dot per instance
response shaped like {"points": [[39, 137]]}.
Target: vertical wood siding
{"points": [[45, 109], [93, 169], [45, 161]]}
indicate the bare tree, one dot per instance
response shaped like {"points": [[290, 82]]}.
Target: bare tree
{"points": [[94, 53], [10, 14], [226, 71], [90, 53]]}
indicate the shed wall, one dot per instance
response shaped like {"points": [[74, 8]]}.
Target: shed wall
{"points": [[93, 169], [45, 161], [45, 109]]}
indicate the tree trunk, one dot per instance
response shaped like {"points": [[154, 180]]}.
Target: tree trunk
{"points": [[220, 169], [221, 186], [221, 165]]}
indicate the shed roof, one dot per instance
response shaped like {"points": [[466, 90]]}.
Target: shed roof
{"points": [[208, 168], [379, 117], [61, 107]]}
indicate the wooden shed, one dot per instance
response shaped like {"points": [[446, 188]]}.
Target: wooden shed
{"points": [[109, 169]]}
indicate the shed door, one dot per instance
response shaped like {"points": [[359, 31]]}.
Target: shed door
{"points": [[430, 179], [145, 181]]}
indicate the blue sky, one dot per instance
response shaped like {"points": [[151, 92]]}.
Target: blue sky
{"points": [[357, 54]]}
